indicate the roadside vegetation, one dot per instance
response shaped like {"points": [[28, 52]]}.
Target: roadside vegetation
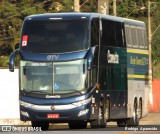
{"points": [[13, 12]]}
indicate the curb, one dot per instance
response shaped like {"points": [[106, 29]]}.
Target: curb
{"points": [[15, 121]]}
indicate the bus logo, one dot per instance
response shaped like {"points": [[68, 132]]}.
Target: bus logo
{"points": [[52, 57], [113, 58], [53, 96], [52, 107]]}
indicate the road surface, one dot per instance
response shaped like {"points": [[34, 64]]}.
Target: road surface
{"points": [[152, 119], [151, 122]]}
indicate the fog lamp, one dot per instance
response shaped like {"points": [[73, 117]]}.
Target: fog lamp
{"points": [[24, 113]]}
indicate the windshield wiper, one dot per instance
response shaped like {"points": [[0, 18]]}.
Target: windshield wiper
{"points": [[38, 92], [80, 92], [72, 91]]}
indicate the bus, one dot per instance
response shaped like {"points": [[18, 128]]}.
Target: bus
{"points": [[80, 68]]}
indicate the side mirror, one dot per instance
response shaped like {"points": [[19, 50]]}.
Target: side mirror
{"points": [[11, 60], [100, 28], [89, 65], [90, 56]]}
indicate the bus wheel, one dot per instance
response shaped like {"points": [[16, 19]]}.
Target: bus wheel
{"points": [[134, 121], [140, 109], [103, 116], [121, 123], [43, 125], [105, 113], [77, 124]]}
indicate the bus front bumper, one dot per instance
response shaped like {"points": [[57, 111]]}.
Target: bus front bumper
{"points": [[55, 113]]}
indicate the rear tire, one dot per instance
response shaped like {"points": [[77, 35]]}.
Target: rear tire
{"points": [[121, 123], [43, 125], [140, 109], [134, 121]]}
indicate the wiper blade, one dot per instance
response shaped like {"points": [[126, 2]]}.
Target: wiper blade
{"points": [[38, 92], [71, 91], [80, 92]]}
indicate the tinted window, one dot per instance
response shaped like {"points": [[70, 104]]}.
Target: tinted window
{"points": [[95, 32], [112, 33], [108, 33], [119, 37], [55, 36]]}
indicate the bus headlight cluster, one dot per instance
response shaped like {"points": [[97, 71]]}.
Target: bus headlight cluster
{"points": [[25, 104], [83, 102]]}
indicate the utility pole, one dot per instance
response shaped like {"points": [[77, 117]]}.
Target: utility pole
{"points": [[76, 6], [103, 6], [150, 57], [2, 2], [114, 8]]}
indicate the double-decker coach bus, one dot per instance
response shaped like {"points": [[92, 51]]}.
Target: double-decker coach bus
{"points": [[82, 67]]}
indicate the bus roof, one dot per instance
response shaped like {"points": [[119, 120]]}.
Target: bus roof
{"points": [[68, 15], [77, 15], [123, 20]]}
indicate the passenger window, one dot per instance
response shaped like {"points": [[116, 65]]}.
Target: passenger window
{"points": [[119, 37], [108, 33], [95, 32], [112, 33]]}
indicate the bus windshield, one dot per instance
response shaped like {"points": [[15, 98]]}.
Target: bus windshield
{"points": [[54, 36], [53, 77]]}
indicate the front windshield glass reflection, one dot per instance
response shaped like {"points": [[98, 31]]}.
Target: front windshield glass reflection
{"points": [[52, 78]]}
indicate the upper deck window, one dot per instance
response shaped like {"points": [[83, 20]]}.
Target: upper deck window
{"points": [[112, 33], [54, 36], [136, 36]]}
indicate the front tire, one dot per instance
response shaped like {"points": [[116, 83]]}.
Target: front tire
{"points": [[103, 115], [77, 124], [43, 125]]}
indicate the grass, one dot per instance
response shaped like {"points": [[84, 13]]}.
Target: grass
{"points": [[156, 71]]}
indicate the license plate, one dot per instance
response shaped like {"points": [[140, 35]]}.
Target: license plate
{"points": [[51, 116]]}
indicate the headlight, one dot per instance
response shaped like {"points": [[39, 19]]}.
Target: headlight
{"points": [[25, 104], [83, 102]]}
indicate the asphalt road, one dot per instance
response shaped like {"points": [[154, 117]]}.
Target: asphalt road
{"points": [[151, 122], [152, 119]]}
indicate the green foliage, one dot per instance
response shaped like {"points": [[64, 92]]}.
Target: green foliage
{"points": [[129, 8], [14, 12], [123, 8], [156, 34], [89, 6], [4, 61], [156, 71]]}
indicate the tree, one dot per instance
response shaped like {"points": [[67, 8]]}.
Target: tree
{"points": [[13, 13]]}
